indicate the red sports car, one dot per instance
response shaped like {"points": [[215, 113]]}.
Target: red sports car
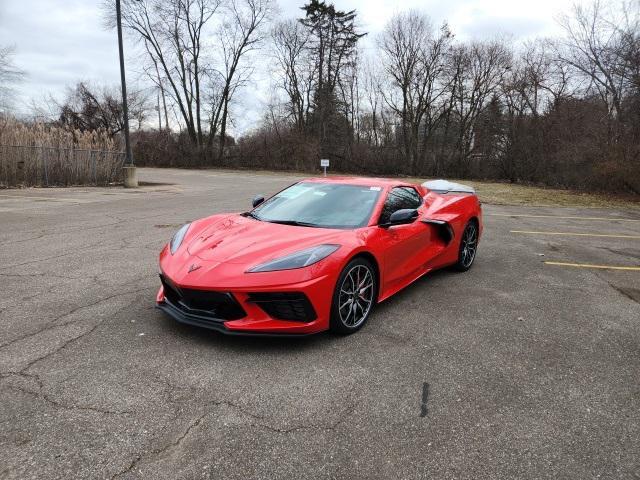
{"points": [[316, 256]]}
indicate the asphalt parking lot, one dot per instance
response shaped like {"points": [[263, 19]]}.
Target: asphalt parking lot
{"points": [[527, 366]]}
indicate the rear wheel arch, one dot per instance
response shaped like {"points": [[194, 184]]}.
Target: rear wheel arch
{"points": [[476, 220], [463, 264], [473, 219]]}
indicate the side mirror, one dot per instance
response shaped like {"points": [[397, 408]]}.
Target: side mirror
{"points": [[257, 200], [402, 217]]}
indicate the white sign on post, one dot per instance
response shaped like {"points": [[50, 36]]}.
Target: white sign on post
{"points": [[324, 163]]}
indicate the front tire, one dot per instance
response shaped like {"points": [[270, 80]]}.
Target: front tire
{"points": [[353, 297]]}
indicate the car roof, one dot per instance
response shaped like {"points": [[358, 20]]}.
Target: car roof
{"points": [[367, 181]]}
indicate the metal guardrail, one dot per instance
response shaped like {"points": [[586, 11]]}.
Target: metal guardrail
{"points": [[26, 165]]}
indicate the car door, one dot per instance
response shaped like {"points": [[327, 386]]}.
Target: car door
{"points": [[404, 246]]}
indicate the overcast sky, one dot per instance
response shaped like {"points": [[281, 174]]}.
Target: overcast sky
{"points": [[59, 42]]}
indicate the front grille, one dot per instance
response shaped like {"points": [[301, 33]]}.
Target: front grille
{"points": [[215, 305], [285, 305]]}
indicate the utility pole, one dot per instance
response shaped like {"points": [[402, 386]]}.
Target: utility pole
{"points": [[129, 169]]}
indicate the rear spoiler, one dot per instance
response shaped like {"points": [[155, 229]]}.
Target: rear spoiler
{"points": [[445, 186]]}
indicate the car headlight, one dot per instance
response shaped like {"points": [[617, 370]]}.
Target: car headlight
{"points": [[300, 259], [176, 241]]}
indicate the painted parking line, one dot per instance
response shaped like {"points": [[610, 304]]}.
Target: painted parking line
{"points": [[574, 234], [588, 265], [608, 219]]}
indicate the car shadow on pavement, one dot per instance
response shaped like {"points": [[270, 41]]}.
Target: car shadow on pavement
{"points": [[424, 282], [248, 343]]}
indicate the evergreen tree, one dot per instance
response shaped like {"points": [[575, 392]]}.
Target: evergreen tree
{"points": [[332, 45]]}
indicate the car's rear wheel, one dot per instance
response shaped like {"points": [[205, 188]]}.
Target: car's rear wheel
{"points": [[468, 247], [354, 296]]}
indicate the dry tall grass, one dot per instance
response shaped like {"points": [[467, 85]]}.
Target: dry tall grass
{"points": [[36, 154]]}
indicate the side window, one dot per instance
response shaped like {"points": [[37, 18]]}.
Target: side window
{"points": [[399, 198]]}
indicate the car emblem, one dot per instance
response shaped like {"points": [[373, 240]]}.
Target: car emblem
{"points": [[193, 267]]}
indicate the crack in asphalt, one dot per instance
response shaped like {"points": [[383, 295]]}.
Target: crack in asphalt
{"points": [[38, 260], [36, 295], [39, 274], [56, 403], [92, 278], [629, 293], [313, 426], [118, 245], [622, 252], [160, 451], [155, 245], [169, 399], [51, 324], [46, 397], [198, 421], [348, 411], [118, 221], [84, 278], [169, 387], [84, 334]]}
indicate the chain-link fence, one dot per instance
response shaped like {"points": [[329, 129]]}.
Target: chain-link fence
{"points": [[52, 166]]}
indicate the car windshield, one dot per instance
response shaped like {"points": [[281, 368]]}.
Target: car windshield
{"points": [[314, 204]]}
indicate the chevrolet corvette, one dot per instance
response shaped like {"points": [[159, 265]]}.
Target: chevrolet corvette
{"points": [[317, 255]]}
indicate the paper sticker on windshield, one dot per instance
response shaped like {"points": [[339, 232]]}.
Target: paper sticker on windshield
{"points": [[375, 189], [294, 191]]}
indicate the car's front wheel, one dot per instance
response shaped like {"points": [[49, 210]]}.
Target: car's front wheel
{"points": [[354, 296]]}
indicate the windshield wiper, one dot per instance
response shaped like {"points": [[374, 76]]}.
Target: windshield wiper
{"points": [[252, 215], [294, 222]]}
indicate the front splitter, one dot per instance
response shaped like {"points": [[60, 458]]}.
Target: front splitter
{"points": [[216, 324]]}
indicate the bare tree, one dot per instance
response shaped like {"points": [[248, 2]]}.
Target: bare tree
{"points": [[241, 33], [597, 36], [476, 72], [173, 32], [90, 108], [295, 68], [372, 117], [629, 64], [414, 59], [525, 85], [157, 79], [9, 75]]}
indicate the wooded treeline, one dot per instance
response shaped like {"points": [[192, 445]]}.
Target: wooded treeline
{"points": [[410, 100], [562, 112]]}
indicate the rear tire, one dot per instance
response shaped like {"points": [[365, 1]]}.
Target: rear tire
{"points": [[354, 296], [468, 247]]}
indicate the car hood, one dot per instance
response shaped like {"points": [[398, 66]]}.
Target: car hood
{"points": [[243, 240]]}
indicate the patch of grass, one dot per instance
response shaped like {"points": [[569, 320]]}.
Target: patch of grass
{"points": [[510, 194]]}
